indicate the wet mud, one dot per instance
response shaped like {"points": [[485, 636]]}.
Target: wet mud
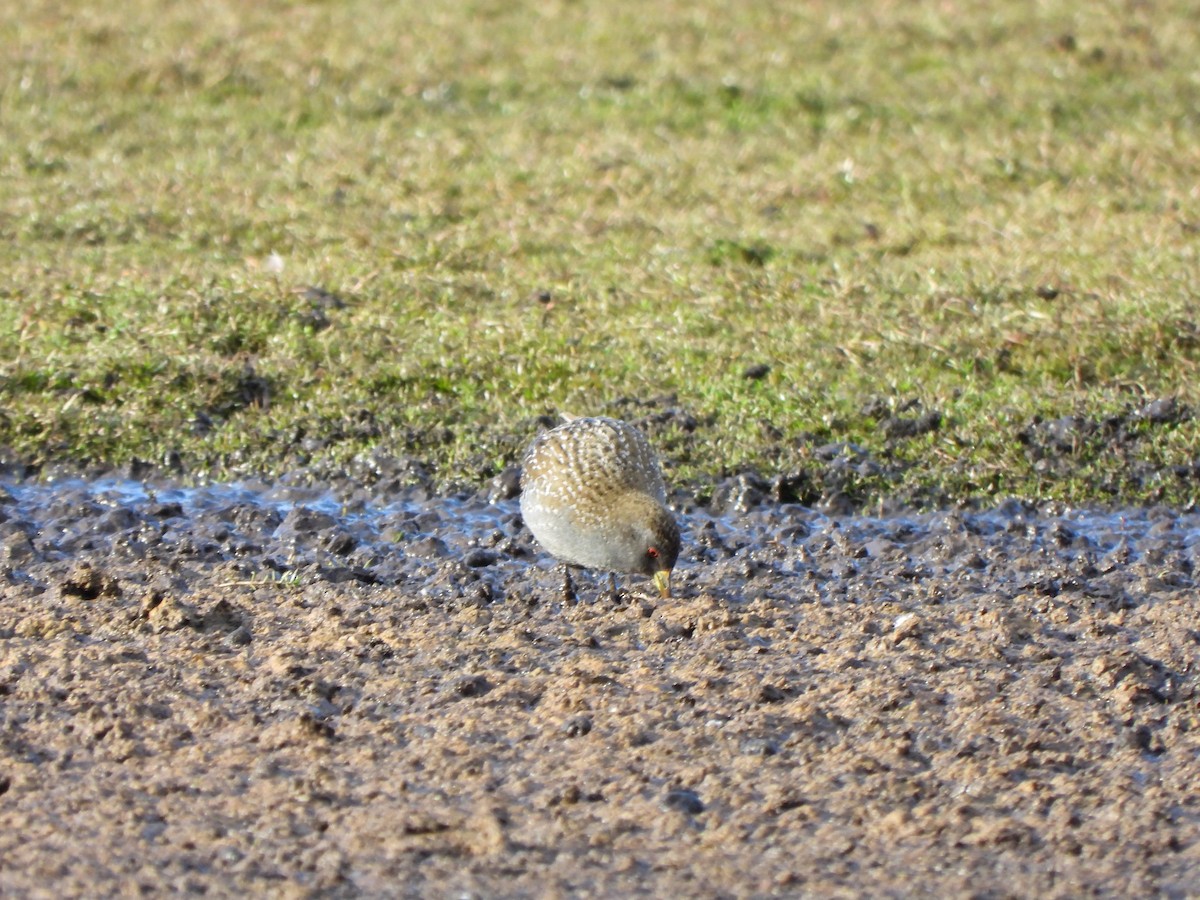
{"points": [[345, 690]]}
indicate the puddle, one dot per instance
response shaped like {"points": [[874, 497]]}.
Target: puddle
{"points": [[448, 545]]}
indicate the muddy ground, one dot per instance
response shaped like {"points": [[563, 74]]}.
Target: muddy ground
{"points": [[275, 690]]}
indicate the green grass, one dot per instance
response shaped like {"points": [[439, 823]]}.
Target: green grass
{"points": [[989, 209]]}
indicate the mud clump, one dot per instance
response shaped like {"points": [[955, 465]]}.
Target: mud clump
{"points": [[277, 688]]}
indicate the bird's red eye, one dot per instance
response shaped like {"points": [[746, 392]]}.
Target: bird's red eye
{"points": [[652, 553]]}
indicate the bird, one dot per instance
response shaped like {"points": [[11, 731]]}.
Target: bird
{"points": [[592, 493]]}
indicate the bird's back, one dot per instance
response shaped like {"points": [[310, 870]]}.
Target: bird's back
{"points": [[586, 459]]}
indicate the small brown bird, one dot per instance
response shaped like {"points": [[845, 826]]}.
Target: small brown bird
{"points": [[592, 493]]}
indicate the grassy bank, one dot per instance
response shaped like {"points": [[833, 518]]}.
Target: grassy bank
{"points": [[264, 235]]}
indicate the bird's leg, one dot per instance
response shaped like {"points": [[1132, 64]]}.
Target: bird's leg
{"points": [[569, 595], [612, 587]]}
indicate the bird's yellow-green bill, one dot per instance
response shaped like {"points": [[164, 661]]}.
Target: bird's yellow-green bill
{"points": [[662, 581]]}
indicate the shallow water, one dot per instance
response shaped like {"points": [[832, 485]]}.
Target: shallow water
{"points": [[467, 545]]}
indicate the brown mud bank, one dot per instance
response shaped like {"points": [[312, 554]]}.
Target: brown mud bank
{"points": [[268, 690]]}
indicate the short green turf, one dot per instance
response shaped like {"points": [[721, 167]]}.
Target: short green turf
{"points": [[263, 235]]}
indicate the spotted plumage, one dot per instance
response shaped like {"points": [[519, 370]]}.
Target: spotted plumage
{"points": [[592, 493]]}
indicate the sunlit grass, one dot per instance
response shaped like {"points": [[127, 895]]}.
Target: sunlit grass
{"points": [[513, 210]]}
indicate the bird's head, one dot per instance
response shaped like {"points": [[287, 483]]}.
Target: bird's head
{"points": [[658, 543]]}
